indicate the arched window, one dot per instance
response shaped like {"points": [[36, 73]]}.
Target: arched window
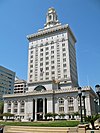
{"points": [[61, 105], [61, 101], [40, 88], [70, 101]]}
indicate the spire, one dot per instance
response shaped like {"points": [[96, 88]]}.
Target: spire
{"points": [[51, 18]]}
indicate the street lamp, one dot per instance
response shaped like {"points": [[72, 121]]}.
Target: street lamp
{"points": [[96, 105], [83, 96], [80, 95], [97, 87]]}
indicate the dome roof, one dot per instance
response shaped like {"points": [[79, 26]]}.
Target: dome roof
{"points": [[40, 88]]}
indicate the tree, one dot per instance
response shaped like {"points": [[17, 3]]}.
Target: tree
{"points": [[1, 107], [92, 119]]}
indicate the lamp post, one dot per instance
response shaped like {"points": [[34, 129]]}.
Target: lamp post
{"points": [[80, 95], [83, 96], [97, 87], [96, 105]]}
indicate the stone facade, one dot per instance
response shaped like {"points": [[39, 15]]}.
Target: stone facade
{"points": [[34, 105]]}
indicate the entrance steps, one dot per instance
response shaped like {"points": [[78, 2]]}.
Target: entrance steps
{"points": [[27, 129]]}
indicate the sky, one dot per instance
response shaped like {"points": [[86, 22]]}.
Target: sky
{"points": [[19, 18]]}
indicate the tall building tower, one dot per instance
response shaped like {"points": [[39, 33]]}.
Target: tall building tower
{"points": [[52, 76], [7, 78], [52, 56]]}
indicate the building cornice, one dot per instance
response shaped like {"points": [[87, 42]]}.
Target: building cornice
{"points": [[50, 30], [48, 92]]}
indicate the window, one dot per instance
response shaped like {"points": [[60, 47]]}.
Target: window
{"points": [[61, 101], [41, 54], [22, 104], [61, 109], [41, 49], [41, 64], [64, 54], [47, 58], [47, 48], [64, 65], [52, 52], [21, 110], [64, 60], [9, 111], [52, 47], [47, 73], [47, 68], [63, 44], [47, 63], [41, 59], [31, 61], [70, 101], [47, 78], [52, 56], [31, 56], [30, 76], [31, 52], [15, 110], [65, 70], [64, 49], [52, 62], [47, 53], [53, 72], [31, 66], [65, 76], [71, 109], [52, 67], [31, 71]]}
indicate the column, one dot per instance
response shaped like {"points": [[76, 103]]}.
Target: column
{"points": [[75, 105], [25, 117], [35, 109], [18, 111], [12, 107], [49, 104], [66, 106], [5, 107], [43, 108]]}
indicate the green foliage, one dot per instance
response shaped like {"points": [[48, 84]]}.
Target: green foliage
{"points": [[76, 114], [54, 115], [48, 115], [92, 119], [62, 115], [7, 114], [1, 107]]}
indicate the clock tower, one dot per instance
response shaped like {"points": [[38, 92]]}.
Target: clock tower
{"points": [[51, 18]]}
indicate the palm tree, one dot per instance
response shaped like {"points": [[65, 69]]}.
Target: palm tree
{"points": [[92, 119]]}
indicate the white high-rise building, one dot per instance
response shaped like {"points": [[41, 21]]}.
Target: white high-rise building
{"points": [[52, 55], [52, 76]]}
